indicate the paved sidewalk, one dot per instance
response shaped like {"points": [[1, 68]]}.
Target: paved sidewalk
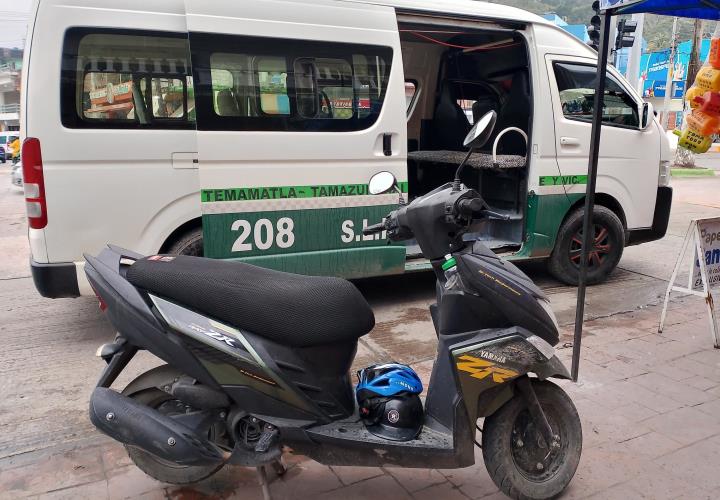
{"points": [[650, 406]]}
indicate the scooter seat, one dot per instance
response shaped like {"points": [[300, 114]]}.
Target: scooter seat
{"points": [[289, 309]]}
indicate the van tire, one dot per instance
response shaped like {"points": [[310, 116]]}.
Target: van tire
{"points": [[189, 243], [610, 241]]}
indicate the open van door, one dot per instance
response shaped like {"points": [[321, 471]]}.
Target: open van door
{"points": [[298, 105]]}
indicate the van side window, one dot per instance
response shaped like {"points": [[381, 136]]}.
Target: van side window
{"points": [[576, 85], [115, 79], [287, 85]]}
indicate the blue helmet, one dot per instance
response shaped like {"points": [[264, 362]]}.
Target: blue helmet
{"points": [[388, 401], [387, 380]]}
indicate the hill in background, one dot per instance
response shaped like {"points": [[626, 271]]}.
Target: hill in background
{"points": [[657, 30]]}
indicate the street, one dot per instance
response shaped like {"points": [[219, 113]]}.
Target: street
{"points": [[641, 425]]}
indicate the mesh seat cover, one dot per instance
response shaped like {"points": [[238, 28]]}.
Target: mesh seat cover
{"points": [[287, 308]]}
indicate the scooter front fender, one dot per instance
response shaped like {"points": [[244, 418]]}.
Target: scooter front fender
{"points": [[552, 368], [488, 363]]}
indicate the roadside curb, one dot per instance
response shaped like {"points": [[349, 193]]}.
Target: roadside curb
{"points": [[692, 172]]}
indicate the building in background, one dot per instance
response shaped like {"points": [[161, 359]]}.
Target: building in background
{"points": [[10, 68], [579, 31], [653, 73]]}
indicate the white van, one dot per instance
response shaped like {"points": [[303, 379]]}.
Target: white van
{"points": [[248, 130]]}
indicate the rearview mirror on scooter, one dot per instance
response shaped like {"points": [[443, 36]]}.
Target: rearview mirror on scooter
{"points": [[481, 131], [381, 183], [475, 139]]}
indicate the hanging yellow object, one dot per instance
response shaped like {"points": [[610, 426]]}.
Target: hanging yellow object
{"points": [[708, 78], [691, 94], [692, 141], [714, 56]]}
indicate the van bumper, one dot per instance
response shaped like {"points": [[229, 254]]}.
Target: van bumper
{"points": [[661, 218], [55, 281]]}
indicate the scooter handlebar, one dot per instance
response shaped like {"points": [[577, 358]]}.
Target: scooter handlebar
{"points": [[375, 228], [476, 207]]}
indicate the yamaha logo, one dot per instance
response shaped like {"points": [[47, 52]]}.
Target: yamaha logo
{"points": [[393, 416]]}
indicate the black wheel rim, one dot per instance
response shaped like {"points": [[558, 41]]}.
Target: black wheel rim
{"points": [[534, 459], [602, 247]]}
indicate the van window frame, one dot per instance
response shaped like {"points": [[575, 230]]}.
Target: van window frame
{"points": [[69, 116], [204, 45], [556, 61]]}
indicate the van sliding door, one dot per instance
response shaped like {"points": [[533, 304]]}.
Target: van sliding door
{"points": [[298, 105]]}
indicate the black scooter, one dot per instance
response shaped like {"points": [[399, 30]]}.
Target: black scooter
{"points": [[258, 360]]}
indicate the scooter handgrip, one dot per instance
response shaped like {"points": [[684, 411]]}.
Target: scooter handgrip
{"points": [[375, 228], [470, 207]]}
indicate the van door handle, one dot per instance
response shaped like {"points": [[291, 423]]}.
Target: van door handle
{"points": [[185, 160], [569, 141]]}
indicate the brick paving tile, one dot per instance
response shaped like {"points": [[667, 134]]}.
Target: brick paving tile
{"points": [[623, 370], [617, 492], [229, 482], [377, 488], [445, 491], [650, 445], [709, 356], [416, 479], [711, 408], [694, 366], [658, 484], [129, 482], [114, 455], [635, 412], [673, 389], [685, 425], [700, 382], [473, 482], [305, 480], [350, 475], [697, 464], [51, 473], [602, 468], [97, 490]]}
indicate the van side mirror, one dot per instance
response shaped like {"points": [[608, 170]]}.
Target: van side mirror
{"points": [[646, 116]]}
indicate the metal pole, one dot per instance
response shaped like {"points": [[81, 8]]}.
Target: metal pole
{"points": [[633, 67], [588, 233], [668, 82]]}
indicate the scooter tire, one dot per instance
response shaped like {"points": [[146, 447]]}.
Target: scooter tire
{"points": [[512, 471], [157, 468]]}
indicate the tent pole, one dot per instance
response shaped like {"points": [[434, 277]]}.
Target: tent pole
{"points": [[588, 232]]}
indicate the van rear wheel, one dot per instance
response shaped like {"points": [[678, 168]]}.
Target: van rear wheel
{"points": [[608, 242], [189, 243]]}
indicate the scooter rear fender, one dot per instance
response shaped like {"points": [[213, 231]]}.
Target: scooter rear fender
{"points": [[130, 312]]}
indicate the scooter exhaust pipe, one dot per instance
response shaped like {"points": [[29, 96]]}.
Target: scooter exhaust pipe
{"points": [[132, 423]]}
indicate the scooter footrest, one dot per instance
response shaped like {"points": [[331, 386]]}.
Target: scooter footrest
{"points": [[267, 439]]}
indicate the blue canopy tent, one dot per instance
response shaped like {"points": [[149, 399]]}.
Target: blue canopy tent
{"points": [[703, 9]]}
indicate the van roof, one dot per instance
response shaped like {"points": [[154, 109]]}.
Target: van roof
{"points": [[463, 7]]}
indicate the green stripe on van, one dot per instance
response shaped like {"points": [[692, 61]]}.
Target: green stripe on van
{"points": [[562, 180], [285, 192]]}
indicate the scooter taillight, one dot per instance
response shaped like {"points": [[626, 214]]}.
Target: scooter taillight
{"points": [[101, 303]]}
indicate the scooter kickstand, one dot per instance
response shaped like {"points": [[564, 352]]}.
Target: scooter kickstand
{"points": [[262, 478]]}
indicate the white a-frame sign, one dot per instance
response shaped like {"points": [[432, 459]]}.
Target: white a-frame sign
{"points": [[704, 236]]}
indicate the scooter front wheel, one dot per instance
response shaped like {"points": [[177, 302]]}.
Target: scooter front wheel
{"points": [[519, 461]]}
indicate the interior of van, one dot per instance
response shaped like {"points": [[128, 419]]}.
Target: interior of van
{"points": [[453, 76]]}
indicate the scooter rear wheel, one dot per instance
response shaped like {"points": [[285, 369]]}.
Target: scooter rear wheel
{"points": [[157, 468], [516, 456]]}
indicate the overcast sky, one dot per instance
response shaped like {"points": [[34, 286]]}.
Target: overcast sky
{"points": [[13, 22]]}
